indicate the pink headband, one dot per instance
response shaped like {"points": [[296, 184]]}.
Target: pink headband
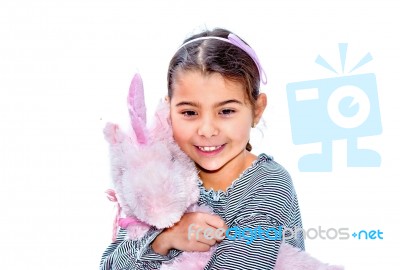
{"points": [[235, 40]]}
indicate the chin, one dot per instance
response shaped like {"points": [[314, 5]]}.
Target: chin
{"points": [[209, 166]]}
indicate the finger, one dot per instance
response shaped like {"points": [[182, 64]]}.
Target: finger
{"points": [[218, 234], [207, 241], [215, 221], [221, 236], [209, 235]]}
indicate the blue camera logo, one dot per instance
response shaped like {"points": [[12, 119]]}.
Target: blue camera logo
{"points": [[344, 107]]}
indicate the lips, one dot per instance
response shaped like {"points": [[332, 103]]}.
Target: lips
{"points": [[210, 150]]}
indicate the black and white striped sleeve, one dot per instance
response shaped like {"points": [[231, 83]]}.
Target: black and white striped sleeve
{"points": [[134, 254]]}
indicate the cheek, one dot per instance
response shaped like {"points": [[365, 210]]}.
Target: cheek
{"points": [[239, 132], [240, 129], [179, 131]]}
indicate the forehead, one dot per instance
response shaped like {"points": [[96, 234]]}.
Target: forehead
{"points": [[195, 85]]}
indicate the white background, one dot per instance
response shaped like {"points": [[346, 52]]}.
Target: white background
{"points": [[65, 68]]}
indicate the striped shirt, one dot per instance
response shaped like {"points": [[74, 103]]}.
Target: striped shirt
{"points": [[263, 197]]}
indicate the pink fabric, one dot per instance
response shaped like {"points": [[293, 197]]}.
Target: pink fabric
{"points": [[291, 258], [129, 221], [137, 109], [112, 197], [235, 40]]}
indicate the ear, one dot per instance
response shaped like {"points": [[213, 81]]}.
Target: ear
{"points": [[137, 109], [261, 104], [113, 134]]}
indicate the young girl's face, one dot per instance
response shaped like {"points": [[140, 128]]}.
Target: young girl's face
{"points": [[211, 118]]}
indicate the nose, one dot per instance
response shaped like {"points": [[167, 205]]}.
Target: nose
{"points": [[208, 127]]}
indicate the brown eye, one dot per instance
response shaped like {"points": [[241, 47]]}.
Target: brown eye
{"points": [[189, 113], [227, 112]]}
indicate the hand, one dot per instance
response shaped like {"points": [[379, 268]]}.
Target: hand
{"points": [[194, 232]]}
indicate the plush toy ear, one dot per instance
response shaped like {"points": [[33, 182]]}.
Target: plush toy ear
{"points": [[137, 109]]}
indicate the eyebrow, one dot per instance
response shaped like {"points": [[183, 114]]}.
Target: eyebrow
{"points": [[222, 103]]}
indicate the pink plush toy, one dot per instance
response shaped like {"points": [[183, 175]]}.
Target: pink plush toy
{"points": [[156, 183]]}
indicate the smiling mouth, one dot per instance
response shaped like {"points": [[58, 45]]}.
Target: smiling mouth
{"points": [[209, 148]]}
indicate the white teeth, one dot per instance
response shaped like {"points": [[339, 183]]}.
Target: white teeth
{"points": [[209, 148]]}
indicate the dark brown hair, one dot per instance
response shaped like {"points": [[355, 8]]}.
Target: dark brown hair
{"points": [[213, 55]]}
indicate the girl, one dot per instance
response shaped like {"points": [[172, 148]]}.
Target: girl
{"points": [[213, 92]]}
